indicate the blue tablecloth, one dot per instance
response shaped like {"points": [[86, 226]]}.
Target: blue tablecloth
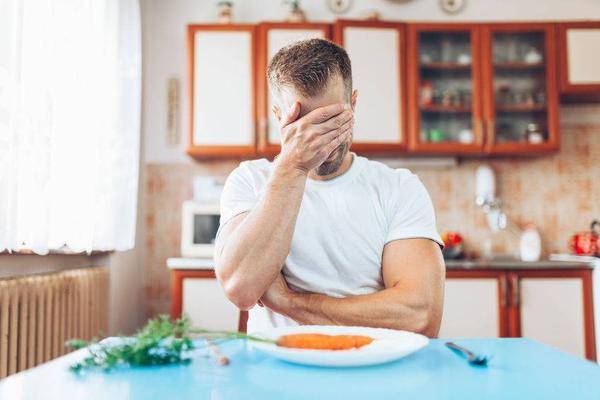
{"points": [[519, 369]]}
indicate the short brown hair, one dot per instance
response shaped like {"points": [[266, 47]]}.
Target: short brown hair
{"points": [[308, 65]]}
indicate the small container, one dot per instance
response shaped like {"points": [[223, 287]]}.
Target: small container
{"points": [[426, 93], [465, 136], [530, 243], [533, 56], [534, 134], [436, 135]]}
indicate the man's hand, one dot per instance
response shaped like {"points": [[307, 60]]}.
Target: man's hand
{"points": [[308, 141], [278, 295]]}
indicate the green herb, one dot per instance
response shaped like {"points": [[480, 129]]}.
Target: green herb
{"points": [[160, 342]]}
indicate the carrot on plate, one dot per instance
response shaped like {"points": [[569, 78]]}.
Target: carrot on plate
{"points": [[318, 341]]}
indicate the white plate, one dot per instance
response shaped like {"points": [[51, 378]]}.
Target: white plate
{"points": [[389, 345]]}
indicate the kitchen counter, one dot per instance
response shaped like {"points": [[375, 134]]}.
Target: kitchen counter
{"points": [[208, 264], [516, 264]]}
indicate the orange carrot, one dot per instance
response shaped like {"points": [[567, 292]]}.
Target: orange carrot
{"points": [[317, 341]]}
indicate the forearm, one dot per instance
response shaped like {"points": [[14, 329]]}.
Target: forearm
{"points": [[390, 308], [255, 251]]}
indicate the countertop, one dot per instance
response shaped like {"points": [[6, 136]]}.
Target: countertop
{"points": [[518, 369], [516, 264], [208, 264]]}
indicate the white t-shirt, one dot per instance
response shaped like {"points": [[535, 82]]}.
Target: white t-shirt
{"points": [[342, 227]]}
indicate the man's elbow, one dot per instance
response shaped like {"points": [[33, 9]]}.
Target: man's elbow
{"points": [[427, 322], [237, 292]]}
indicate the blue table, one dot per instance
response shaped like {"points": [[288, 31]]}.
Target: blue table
{"points": [[519, 369]]}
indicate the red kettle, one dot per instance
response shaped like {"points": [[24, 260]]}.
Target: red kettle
{"points": [[586, 243]]}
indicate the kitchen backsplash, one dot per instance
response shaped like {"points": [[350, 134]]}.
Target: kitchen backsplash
{"points": [[556, 193]]}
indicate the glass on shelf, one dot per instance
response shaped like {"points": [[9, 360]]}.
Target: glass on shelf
{"points": [[519, 87], [445, 96]]}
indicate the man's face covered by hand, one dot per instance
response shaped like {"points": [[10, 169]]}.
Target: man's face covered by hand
{"points": [[334, 92]]}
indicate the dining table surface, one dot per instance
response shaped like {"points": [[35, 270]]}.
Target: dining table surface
{"points": [[518, 369]]}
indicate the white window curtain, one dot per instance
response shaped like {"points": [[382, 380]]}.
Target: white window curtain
{"points": [[70, 94]]}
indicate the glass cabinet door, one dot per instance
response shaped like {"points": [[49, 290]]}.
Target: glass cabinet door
{"points": [[446, 106], [521, 106]]}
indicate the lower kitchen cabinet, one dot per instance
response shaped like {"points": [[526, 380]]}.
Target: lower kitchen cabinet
{"points": [[556, 308], [198, 294], [472, 305], [551, 306]]}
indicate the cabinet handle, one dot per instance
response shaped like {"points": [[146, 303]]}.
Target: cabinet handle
{"points": [[516, 291], [262, 126], [503, 292], [491, 128], [479, 129]]}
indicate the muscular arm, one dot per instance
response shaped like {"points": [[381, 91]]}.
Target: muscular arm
{"points": [[252, 247], [413, 274]]}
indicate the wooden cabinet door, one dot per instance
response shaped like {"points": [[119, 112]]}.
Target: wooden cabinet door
{"points": [[272, 37], [579, 56], [221, 82], [444, 75], [555, 308], [204, 302], [377, 52], [474, 304], [519, 87], [198, 294]]}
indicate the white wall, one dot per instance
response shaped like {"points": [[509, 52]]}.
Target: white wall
{"points": [[164, 52]]}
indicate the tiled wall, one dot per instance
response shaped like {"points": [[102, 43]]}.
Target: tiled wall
{"points": [[559, 193]]}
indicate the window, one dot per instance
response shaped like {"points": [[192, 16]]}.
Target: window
{"points": [[69, 124]]}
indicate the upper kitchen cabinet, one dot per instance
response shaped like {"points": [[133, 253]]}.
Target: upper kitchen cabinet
{"points": [[272, 36], [519, 88], [222, 85], [444, 68], [579, 60], [377, 52]]}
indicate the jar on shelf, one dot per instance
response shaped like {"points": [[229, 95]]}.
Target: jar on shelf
{"points": [[534, 133]]}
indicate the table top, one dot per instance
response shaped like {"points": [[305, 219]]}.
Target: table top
{"points": [[519, 369]]}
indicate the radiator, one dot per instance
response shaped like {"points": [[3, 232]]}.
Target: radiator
{"points": [[38, 313]]}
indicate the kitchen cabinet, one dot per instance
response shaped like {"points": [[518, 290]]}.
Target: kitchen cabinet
{"points": [[553, 306], [474, 305], [446, 112], [519, 88], [272, 36], [377, 52], [483, 88], [579, 60], [222, 85], [198, 294]]}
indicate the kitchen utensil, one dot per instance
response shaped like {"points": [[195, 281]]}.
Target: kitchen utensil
{"points": [[586, 243], [389, 345], [472, 358]]}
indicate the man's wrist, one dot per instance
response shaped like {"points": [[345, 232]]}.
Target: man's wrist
{"points": [[283, 304], [287, 177], [289, 170]]}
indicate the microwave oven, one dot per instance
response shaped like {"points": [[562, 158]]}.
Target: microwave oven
{"points": [[199, 226]]}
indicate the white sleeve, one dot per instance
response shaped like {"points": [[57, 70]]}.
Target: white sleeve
{"points": [[412, 214], [238, 194]]}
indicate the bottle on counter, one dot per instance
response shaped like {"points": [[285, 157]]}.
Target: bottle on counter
{"points": [[530, 243]]}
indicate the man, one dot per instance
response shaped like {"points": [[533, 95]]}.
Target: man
{"points": [[321, 235]]}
